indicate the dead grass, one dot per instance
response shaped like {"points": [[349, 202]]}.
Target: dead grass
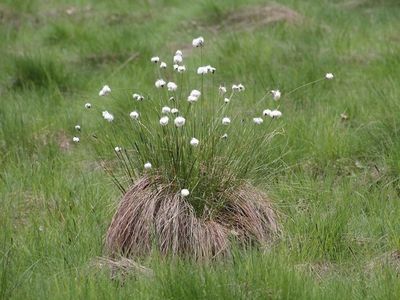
{"points": [[389, 259], [319, 270], [151, 217], [121, 268], [261, 16]]}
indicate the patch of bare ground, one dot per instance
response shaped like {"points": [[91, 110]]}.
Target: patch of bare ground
{"points": [[109, 57], [389, 259], [63, 141], [245, 18], [359, 59], [259, 16], [9, 17], [62, 138], [319, 270], [121, 268], [367, 4], [71, 11]]}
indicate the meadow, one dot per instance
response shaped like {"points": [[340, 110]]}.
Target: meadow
{"points": [[334, 175]]}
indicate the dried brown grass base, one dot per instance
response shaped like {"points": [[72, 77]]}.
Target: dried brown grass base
{"points": [[152, 217]]}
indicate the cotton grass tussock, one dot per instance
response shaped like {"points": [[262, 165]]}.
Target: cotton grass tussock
{"points": [[151, 213], [186, 171]]}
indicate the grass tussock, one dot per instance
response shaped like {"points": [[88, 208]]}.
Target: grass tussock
{"points": [[152, 217]]}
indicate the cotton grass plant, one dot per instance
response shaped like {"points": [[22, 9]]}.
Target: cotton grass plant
{"points": [[183, 154]]}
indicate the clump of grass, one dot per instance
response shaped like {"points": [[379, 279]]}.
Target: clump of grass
{"points": [[152, 213], [38, 71], [184, 171]]}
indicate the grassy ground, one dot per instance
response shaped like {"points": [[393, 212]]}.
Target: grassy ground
{"points": [[339, 195]]}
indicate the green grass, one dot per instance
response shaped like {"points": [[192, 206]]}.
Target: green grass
{"points": [[338, 191]]}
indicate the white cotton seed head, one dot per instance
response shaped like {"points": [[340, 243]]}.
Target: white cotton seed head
{"points": [[163, 65], [78, 127], [224, 136], [155, 59], [181, 69], [137, 97], [226, 121], [88, 105], [202, 70], [171, 86], [165, 110], [107, 116], [179, 52], [174, 110], [276, 94], [195, 93], [329, 76], [185, 192], [226, 100], [222, 89], [176, 67], [198, 42], [75, 139], [192, 99], [241, 87], [134, 115], [177, 59], [164, 121], [147, 165], [179, 121], [210, 69], [160, 83], [267, 112], [105, 91], [235, 88], [258, 121], [194, 142], [117, 149], [275, 114]]}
